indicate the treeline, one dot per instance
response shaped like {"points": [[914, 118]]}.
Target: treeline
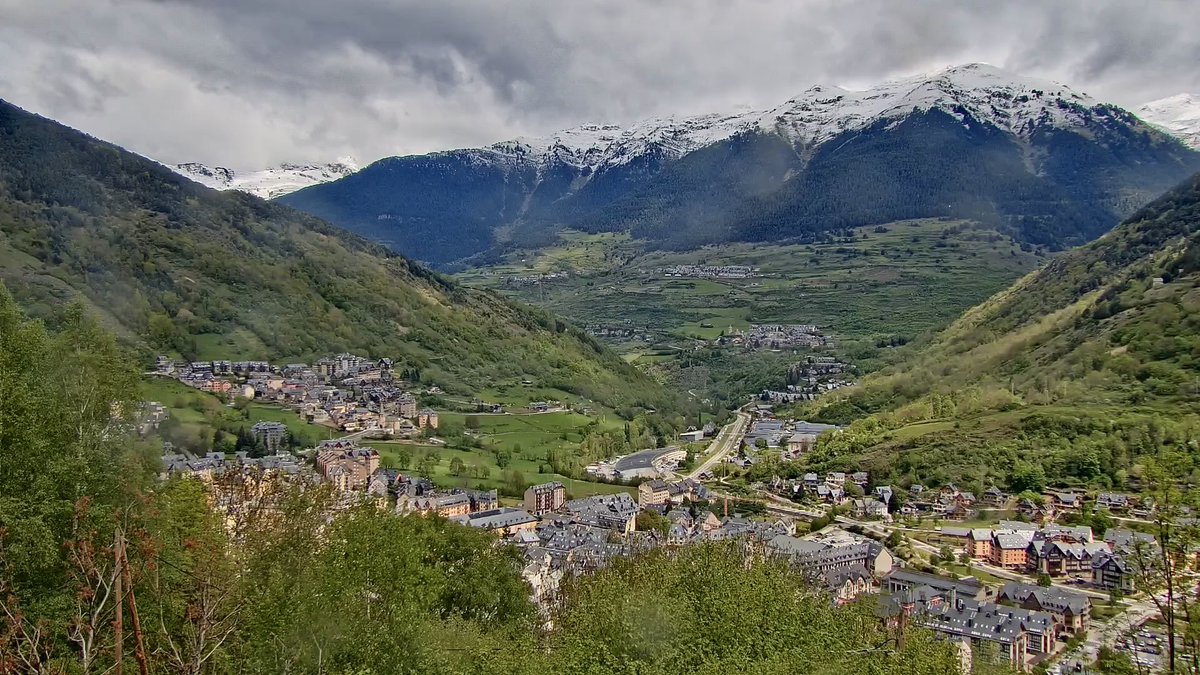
{"points": [[101, 565]]}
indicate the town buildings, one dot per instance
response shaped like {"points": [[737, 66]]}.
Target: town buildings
{"points": [[271, 435], [427, 419], [345, 465], [545, 498]]}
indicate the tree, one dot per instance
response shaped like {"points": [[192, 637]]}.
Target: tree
{"points": [[457, 466], [894, 539], [503, 458], [514, 482], [1027, 477], [1112, 662], [1161, 566], [404, 457], [639, 616], [650, 521], [946, 554], [1044, 580], [472, 422], [428, 463]]}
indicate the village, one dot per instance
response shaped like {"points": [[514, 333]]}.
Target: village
{"points": [[1031, 588], [775, 337], [709, 271]]}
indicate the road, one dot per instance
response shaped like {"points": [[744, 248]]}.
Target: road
{"points": [[727, 441], [1106, 633]]}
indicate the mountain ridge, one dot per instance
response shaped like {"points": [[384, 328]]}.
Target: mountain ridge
{"points": [[1039, 153], [176, 267], [1178, 115], [267, 183]]}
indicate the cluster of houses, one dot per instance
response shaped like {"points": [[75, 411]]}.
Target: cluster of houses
{"points": [[532, 279], [776, 336], [561, 537], [1023, 622], [1055, 550], [709, 271], [660, 493], [571, 537], [792, 438], [831, 489], [346, 392], [845, 564], [1056, 503], [214, 464], [809, 379], [624, 331]]}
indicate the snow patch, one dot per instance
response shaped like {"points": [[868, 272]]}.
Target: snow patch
{"points": [[1013, 103], [1178, 115], [269, 183]]}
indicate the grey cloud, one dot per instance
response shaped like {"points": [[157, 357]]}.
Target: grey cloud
{"points": [[250, 83]]}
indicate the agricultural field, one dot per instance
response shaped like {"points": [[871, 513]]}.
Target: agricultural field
{"points": [[902, 279]]}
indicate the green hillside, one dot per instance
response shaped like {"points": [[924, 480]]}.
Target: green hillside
{"points": [[1075, 373], [175, 267]]}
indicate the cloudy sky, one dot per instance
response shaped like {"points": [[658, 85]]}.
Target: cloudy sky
{"points": [[251, 83]]}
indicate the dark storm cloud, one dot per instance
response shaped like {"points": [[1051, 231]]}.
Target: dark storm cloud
{"points": [[259, 82]]}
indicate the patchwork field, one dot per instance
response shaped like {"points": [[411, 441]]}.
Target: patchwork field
{"points": [[902, 279]]}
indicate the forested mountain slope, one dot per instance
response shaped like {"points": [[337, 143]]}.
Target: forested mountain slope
{"points": [[176, 267], [1052, 166], [1078, 369]]}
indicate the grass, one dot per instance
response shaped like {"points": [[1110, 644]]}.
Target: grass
{"points": [[534, 433], [965, 570], [905, 279], [528, 438], [199, 413], [528, 465]]}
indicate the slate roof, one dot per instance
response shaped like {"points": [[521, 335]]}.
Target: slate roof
{"points": [[1052, 599]]}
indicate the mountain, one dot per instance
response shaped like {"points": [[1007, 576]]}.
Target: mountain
{"points": [[173, 266], [1178, 115], [269, 183], [1049, 164], [1077, 372]]}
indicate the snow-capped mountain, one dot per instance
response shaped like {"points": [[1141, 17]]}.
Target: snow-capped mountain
{"points": [[1013, 103], [269, 183], [1048, 164], [1178, 115]]}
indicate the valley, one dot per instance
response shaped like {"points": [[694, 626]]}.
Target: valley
{"points": [[902, 379], [907, 280]]}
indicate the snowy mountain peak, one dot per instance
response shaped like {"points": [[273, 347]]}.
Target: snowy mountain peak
{"points": [[269, 183], [988, 94], [1178, 115]]}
